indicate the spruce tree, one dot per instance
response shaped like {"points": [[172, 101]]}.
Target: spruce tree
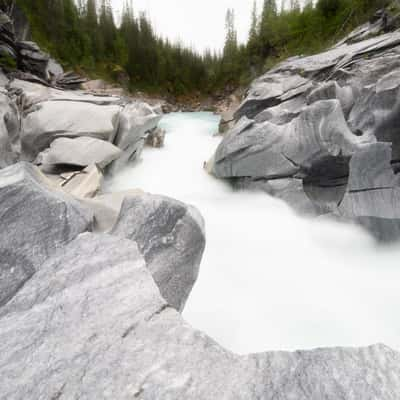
{"points": [[253, 42], [268, 17]]}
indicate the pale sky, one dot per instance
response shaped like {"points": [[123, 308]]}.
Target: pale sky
{"points": [[200, 23]]}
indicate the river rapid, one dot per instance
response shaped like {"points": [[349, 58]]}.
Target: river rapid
{"points": [[269, 280]]}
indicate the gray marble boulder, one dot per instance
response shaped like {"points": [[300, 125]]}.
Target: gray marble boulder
{"points": [[9, 131], [372, 197], [91, 324], [332, 90], [81, 151], [136, 120], [305, 119], [271, 90], [50, 120], [106, 208], [272, 151], [290, 190], [298, 76], [31, 93], [171, 237], [65, 120], [35, 220]]}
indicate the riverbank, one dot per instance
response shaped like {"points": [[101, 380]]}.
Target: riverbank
{"points": [[93, 283], [264, 266]]}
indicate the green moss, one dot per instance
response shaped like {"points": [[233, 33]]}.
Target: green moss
{"points": [[7, 62]]}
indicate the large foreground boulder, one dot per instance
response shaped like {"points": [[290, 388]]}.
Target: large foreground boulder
{"points": [[35, 222], [170, 236], [91, 324]]}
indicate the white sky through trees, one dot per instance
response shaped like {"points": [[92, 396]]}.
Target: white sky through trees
{"points": [[200, 23]]}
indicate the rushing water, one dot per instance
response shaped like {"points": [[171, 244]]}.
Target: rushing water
{"points": [[270, 280]]}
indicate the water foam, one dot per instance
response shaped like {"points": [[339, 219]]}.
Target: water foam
{"points": [[270, 280]]}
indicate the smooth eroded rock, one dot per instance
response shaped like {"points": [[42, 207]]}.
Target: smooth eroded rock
{"points": [[81, 151], [373, 193], [92, 324], [136, 120], [170, 236], [53, 119], [272, 151], [36, 221]]}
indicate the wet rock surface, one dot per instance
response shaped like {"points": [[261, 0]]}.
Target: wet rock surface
{"points": [[94, 315], [93, 324], [312, 118]]}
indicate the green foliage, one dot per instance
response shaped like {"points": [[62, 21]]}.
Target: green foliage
{"points": [[329, 8], [82, 35], [7, 62], [295, 30]]}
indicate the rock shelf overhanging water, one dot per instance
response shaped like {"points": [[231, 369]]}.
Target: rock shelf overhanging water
{"points": [[270, 279]]}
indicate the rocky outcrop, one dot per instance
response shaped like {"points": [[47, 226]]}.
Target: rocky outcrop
{"points": [[309, 121], [171, 237], [9, 131], [36, 221], [136, 120], [33, 64], [227, 113], [96, 315], [156, 138], [72, 135], [92, 323], [130, 343], [81, 151], [53, 119], [373, 192], [273, 151], [107, 207]]}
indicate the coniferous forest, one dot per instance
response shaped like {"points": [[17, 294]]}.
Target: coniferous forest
{"points": [[84, 36]]}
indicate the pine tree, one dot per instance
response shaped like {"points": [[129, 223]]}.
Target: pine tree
{"points": [[253, 42], [230, 47], [269, 15], [230, 64], [108, 30], [295, 5], [283, 6], [254, 23]]}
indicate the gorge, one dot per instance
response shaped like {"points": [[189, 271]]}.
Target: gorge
{"points": [[260, 264], [264, 266]]}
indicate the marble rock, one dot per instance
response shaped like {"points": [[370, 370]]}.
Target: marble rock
{"points": [[171, 237], [81, 151], [50, 120], [91, 324], [136, 120], [36, 220]]}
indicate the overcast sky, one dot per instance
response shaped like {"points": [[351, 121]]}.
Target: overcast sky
{"points": [[195, 22]]}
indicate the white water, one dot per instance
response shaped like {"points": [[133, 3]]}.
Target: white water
{"points": [[270, 280]]}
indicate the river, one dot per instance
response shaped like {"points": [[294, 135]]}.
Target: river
{"points": [[270, 280]]}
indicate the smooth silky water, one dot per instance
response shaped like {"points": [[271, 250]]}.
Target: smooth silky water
{"points": [[270, 280]]}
